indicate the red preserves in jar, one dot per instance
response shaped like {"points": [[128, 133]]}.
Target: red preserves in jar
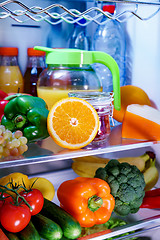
{"points": [[35, 65], [102, 102]]}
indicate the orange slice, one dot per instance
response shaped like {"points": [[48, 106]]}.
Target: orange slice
{"points": [[72, 123]]}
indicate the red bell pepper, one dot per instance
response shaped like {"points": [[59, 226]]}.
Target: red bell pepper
{"points": [[2, 106], [151, 199], [3, 103], [3, 95]]}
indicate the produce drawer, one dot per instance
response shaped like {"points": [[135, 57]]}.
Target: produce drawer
{"points": [[144, 225]]}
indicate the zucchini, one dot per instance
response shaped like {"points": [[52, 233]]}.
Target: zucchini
{"points": [[47, 228], [70, 226], [29, 233]]}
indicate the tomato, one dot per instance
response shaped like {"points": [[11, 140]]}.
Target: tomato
{"points": [[15, 218], [4, 198], [35, 199]]}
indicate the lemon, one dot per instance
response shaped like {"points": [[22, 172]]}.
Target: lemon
{"points": [[44, 186], [17, 179]]}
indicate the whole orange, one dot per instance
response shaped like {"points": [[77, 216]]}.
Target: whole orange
{"points": [[130, 95]]}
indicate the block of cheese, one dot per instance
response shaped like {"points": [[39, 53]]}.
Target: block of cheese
{"points": [[141, 122]]}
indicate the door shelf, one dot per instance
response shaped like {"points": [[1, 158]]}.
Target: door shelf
{"points": [[57, 13]]}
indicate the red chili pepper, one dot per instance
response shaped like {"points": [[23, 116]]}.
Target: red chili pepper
{"points": [[151, 202], [153, 193], [2, 106], [151, 199]]}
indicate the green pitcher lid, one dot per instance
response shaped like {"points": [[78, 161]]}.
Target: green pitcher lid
{"points": [[66, 56]]}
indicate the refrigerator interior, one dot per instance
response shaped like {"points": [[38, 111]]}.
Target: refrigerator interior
{"points": [[53, 162], [143, 37]]}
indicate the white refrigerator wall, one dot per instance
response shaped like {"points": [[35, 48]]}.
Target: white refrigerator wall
{"points": [[144, 37]]}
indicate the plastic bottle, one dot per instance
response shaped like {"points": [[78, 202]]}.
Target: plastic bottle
{"points": [[79, 38], [11, 79], [35, 65], [110, 38]]}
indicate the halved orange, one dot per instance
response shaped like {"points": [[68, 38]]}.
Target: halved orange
{"points": [[72, 123]]}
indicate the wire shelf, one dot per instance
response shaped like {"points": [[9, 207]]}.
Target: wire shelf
{"points": [[50, 15]]}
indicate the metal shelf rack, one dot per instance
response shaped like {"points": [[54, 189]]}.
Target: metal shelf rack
{"points": [[93, 14]]}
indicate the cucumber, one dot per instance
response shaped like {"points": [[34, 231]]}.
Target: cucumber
{"points": [[47, 228], [29, 233], [70, 226]]}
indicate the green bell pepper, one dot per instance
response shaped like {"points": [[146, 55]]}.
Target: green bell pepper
{"points": [[28, 114]]}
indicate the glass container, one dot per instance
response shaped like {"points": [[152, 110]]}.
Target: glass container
{"points": [[35, 65], [11, 79], [102, 102], [70, 70]]}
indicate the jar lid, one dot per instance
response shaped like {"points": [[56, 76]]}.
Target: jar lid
{"points": [[8, 51], [33, 52], [94, 98]]}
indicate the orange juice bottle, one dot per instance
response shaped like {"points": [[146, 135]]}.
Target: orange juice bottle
{"points": [[11, 79]]}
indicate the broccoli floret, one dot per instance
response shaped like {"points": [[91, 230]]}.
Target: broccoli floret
{"points": [[101, 173], [127, 185]]}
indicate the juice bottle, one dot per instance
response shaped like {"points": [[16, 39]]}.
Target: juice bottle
{"points": [[35, 65], [11, 79]]}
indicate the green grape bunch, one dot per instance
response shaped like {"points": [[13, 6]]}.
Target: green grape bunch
{"points": [[12, 143]]}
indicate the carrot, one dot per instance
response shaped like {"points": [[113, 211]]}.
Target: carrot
{"points": [[3, 235]]}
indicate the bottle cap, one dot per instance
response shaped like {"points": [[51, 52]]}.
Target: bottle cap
{"points": [[8, 51], [109, 8], [33, 52]]}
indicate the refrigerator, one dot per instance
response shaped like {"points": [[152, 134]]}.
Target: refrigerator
{"points": [[25, 24]]}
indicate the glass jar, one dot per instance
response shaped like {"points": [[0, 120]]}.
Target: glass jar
{"points": [[11, 79], [103, 104], [35, 65]]}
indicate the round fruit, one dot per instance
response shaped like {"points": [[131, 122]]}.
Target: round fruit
{"points": [[16, 179], [44, 186], [72, 123], [130, 95]]}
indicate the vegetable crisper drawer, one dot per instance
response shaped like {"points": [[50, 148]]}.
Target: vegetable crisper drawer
{"points": [[144, 225]]}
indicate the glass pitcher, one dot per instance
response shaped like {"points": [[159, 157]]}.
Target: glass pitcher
{"points": [[71, 70]]}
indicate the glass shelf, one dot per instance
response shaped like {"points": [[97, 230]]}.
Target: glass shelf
{"points": [[47, 151]]}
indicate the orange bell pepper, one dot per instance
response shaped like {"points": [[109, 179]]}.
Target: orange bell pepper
{"points": [[87, 199]]}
